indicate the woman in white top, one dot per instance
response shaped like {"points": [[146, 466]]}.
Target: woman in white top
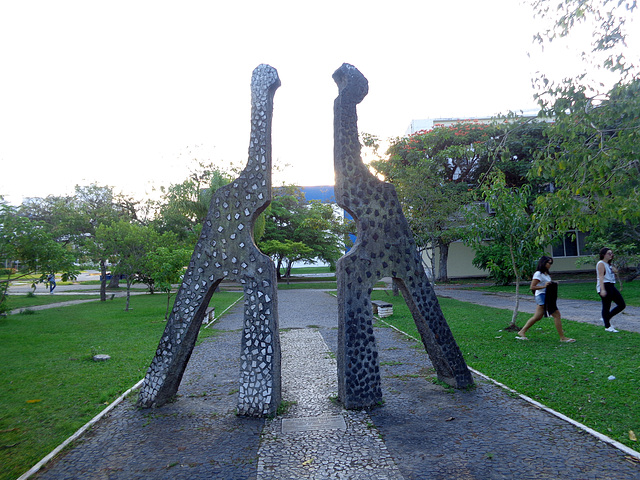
{"points": [[607, 289], [539, 286]]}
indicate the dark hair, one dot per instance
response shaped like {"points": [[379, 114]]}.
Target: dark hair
{"points": [[542, 264], [603, 252]]}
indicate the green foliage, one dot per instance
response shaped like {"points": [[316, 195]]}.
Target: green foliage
{"points": [[591, 156], [608, 18], [435, 170], [300, 231], [494, 258], [128, 245], [592, 159], [185, 205], [166, 265], [29, 243], [505, 241]]}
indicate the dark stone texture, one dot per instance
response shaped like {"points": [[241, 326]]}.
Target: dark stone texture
{"points": [[384, 247], [226, 250]]}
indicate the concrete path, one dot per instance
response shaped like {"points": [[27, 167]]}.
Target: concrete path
{"points": [[422, 431]]}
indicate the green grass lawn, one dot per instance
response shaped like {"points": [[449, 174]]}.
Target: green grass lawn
{"points": [[575, 291], [50, 384], [570, 378]]}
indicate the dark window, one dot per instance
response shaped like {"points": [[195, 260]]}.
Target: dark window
{"points": [[572, 245]]}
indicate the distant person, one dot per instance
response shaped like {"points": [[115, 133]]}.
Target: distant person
{"points": [[546, 294], [52, 282], [606, 287]]}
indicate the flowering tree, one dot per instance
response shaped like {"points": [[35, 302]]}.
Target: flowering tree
{"points": [[435, 172]]}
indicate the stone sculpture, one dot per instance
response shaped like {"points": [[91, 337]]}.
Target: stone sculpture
{"points": [[384, 247], [226, 250]]}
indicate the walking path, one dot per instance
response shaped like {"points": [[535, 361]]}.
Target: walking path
{"points": [[422, 431]]}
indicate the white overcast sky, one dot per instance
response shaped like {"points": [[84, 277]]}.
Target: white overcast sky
{"points": [[127, 93]]}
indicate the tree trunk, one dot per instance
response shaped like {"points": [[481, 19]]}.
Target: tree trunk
{"points": [[103, 280], [394, 287], [442, 267], [114, 282], [515, 271], [633, 275], [166, 312], [287, 273], [126, 308]]}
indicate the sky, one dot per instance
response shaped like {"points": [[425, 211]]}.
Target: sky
{"points": [[131, 94]]}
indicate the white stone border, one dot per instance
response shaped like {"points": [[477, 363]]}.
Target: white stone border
{"points": [[581, 426], [95, 419], [223, 312]]}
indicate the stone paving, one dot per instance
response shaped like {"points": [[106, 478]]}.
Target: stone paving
{"points": [[422, 431]]}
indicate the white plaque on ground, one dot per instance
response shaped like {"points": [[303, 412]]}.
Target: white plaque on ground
{"points": [[305, 424]]}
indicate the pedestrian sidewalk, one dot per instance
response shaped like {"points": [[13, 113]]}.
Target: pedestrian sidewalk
{"points": [[422, 431]]}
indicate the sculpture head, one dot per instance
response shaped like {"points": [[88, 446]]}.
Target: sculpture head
{"points": [[351, 82], [265, 76]]}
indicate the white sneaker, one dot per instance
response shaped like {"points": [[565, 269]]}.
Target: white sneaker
{"points": [[611, 329]]}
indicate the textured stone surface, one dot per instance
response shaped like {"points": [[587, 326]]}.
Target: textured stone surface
{"points": [[340, 444], [384, 247], [226, 250]]}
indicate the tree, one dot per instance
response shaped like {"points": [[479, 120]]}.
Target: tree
{"points": [[608, 22], [435, 170], [72, 220], [166, 265], [296, 230], [286, 253], [126, 246], [592, 161], [28, 244], [185, 205], [591, 156], [505, 241]]}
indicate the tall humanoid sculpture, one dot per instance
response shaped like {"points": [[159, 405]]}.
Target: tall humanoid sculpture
{"points": [[384, 247], [226, 250]]}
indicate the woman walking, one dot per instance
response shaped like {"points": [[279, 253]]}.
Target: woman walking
{"points": [[539, 285], [606, 287]]}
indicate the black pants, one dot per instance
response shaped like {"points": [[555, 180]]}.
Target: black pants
{"points": [[613, 295]]}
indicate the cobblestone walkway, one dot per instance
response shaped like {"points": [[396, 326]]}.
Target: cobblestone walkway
{"points": [[423, 431], [317, 438]]}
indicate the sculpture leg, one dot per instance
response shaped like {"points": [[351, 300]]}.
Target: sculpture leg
{"points": [[259, 392], [358, 364], [174, 349], [434, 331]]}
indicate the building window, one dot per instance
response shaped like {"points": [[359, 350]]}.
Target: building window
{"points": [[572, 245]]}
